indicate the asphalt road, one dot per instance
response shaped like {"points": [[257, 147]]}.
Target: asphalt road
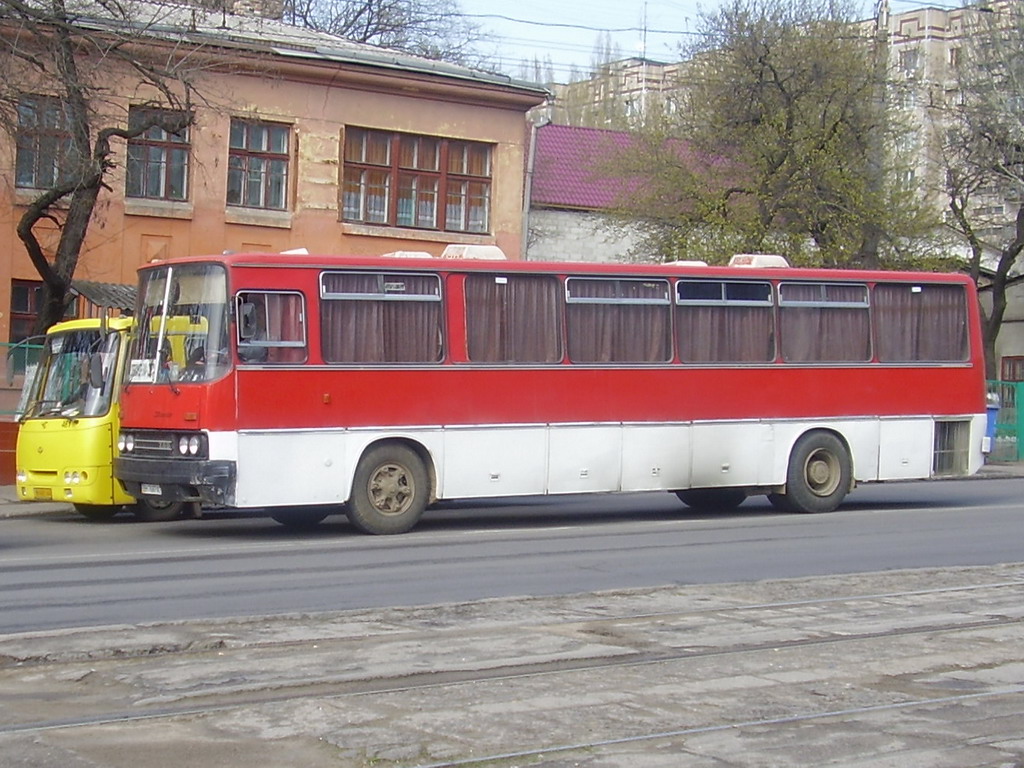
{"points": [[59, 570]]}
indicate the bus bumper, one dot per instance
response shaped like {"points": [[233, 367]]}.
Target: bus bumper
{"points": [[209, 482]]}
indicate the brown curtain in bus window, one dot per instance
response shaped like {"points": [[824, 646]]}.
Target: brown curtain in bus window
{"points": [[725, 334], [924, 325], [376, 330], [284, 311], [513, 319], [824, 334], [616, 332]]}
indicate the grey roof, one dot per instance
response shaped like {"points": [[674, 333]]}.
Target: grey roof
{"points": [[109, 295], [204, 26]]}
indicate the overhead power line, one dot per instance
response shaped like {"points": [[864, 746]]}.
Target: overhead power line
{"points": [[558, 25]]}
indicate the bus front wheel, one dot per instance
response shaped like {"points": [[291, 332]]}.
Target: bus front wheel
{"points": [[389, 490], [156, 510], [818, 475]]}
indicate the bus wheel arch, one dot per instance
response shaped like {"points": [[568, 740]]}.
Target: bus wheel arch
{"points": [[819, 473], [392, 484]]}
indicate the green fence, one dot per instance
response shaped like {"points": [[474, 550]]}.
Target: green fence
{"points": [[1009, 426], [15, 360]]}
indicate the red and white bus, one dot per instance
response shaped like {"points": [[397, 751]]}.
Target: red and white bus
{"points": [[303, 383]]}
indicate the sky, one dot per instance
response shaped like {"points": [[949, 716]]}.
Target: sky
{"points": [[567, 31]]}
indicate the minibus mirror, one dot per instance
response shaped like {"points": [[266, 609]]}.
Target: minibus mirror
{"points": [[96, 370], [247, 321]]}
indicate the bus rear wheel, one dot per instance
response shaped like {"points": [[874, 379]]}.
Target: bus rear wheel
{"points": [[390, 490], [712, 499], [156, 510], [98, 511], [819, 472]]}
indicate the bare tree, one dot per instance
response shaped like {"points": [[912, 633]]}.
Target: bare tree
{"points": [[62, 62], [434, 29], [982, 140]]}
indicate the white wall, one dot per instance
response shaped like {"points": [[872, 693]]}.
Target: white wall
{"points": [[575, 236]]}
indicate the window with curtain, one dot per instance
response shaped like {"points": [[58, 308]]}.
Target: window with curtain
{"points": [[722, 321], [513, 319], [824, 322], [420, 182], [271, 327], [920, 322], [611, 320], [380, 317]]}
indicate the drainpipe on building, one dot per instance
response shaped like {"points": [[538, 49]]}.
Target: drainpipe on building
{"points": [[542, 119]]}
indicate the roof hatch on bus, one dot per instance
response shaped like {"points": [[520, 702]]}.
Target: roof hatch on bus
{"points": [[484, 252], [758, 260]]}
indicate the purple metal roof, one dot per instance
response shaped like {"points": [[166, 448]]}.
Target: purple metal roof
{"points": [[566, 166]]}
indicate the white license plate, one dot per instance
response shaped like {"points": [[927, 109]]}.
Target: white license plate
{"points": [[149, 489]]}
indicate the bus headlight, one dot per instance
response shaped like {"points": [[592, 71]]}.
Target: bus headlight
{"points": [[126, 442], [188, 445]]}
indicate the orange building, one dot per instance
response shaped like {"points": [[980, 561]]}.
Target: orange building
{"points": [[302, 140]]}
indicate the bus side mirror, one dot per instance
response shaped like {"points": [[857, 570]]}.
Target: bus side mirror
{"points": [[96, 370], [247, 321]]}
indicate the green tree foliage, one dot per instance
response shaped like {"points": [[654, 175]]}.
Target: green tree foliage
{"points": [[777, 141]]}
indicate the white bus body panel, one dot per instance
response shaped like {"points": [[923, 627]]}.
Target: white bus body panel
{"points": [[656, 458], [899, 452], [735, 454], [584, 459], [495, 461], [282, 467]]}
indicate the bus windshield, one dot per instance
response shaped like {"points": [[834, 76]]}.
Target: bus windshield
{"points": [[181, 333], [62, 385]]}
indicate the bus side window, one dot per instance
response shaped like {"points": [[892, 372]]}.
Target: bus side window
{"points": [[271, 327]]}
